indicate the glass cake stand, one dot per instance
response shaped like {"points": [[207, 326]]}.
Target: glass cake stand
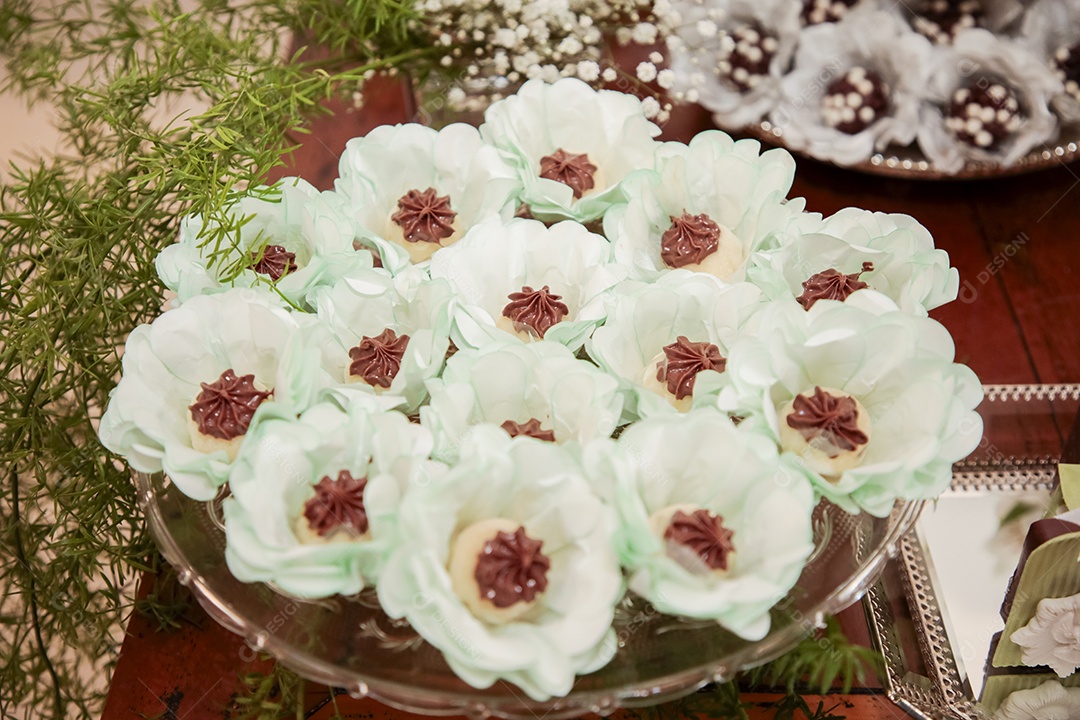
{"points": [[351, 643]]}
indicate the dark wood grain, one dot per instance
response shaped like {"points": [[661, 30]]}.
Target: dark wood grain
{"points": [[192, 671]]}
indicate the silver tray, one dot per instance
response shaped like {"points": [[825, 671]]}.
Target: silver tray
{"points": [[909, 163], [933, 624]]}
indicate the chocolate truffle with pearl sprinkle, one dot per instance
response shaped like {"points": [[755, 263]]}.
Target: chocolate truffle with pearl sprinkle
{"points": [[815, 12], [941, 20], [747, 55], [1066, 66], [855, 101], [984, 114]]}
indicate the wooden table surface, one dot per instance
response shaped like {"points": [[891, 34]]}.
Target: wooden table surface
{"points": [[1016, 242]]}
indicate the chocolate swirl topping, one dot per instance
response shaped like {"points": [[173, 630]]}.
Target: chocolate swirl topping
{"points": [[225, 407], [512, 569], [536, 310], [685, 360], [832, 284], [276, 262], [378, 359], [424, 216], [834, 419], [690, 239], [705, 534], [530, 427], [338, 504], [569, 169]]}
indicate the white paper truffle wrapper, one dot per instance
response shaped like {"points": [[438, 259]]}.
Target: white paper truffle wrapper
{"points": [[608, 126], [693, 56], [907, 267], [248, 331], [293, 215], [267, 536], [644, 318], [1000, 16], [364, 304], [921, 404], [1047, 26], [544, 381], [702, 461], [870, 39], [734, 183], [378, 169], [977, 53], [538, 486], [498, 258]]}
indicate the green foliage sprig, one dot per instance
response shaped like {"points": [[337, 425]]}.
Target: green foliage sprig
{"points": [[818, 662], [78, 236]]}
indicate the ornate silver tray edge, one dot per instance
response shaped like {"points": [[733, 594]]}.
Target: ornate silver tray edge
{"points": [[946, 696]]}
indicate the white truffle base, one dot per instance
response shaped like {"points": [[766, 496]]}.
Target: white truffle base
{"points": [[691, 561], [649, 380], [819, 454], [723, 262], [465, 550], [420, 251], [209, 444]]}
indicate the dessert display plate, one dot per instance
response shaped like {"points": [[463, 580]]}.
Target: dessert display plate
{"points": [[351, 643], [933, 614], [909, 163]]}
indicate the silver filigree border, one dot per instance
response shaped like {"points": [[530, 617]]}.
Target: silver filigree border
{"points": [[946, 697]]}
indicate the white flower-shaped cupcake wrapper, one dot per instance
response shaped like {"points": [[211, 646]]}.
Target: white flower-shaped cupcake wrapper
{"points": [[644, 318], [538, 486], [920, 404], [379, 169], [701, 461], [515, 382], [1048, 26], [496, 259], [364, 304], [694, 55], [269, 539], [979, 55], [1050, 638], [247, 331], [736, 185], [906, 266], [608, 126], [869, 39], [1049, 700], [293, 215], [998, 15]]}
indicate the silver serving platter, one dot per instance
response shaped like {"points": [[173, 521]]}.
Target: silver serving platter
{"points": [[909, 163], [932, 623]]}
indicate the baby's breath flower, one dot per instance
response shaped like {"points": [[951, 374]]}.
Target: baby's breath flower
{"points": [[646, 72], [588, 70], [651, 107], [707, 28], [644, 33]]}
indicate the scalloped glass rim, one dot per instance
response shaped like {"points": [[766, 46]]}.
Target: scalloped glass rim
{"points": [[908, 162], [660, 658]]}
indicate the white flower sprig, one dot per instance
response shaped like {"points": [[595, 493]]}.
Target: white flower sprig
{"points": [[499, 45]]}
